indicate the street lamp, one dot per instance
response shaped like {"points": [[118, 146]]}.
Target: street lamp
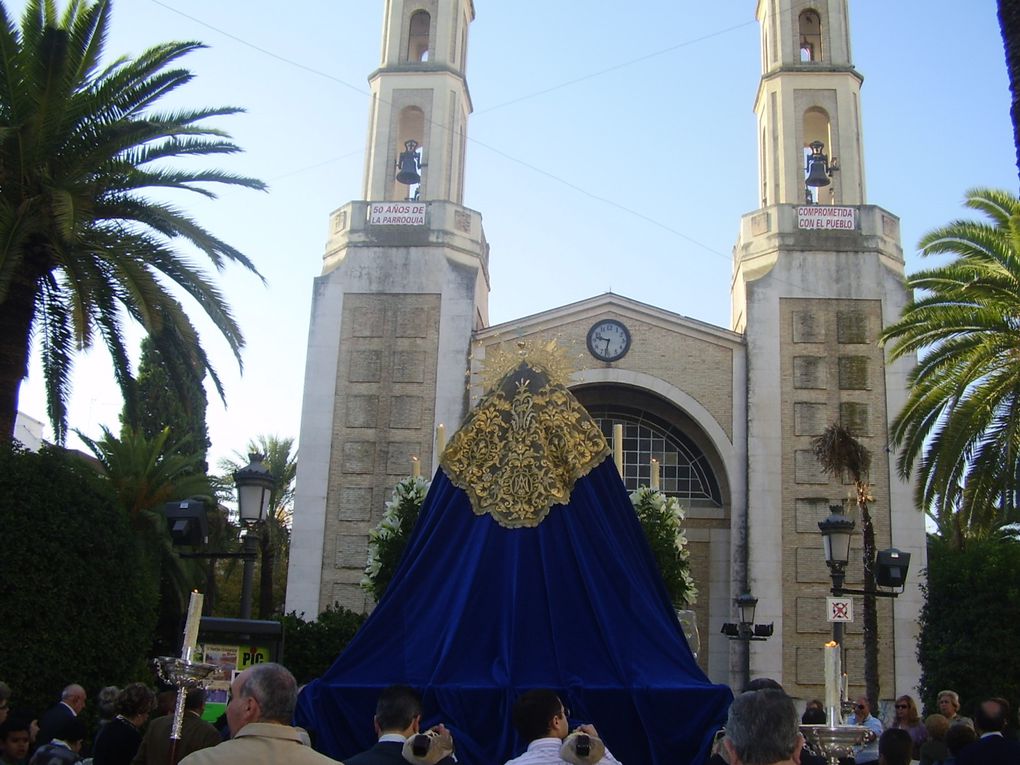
{"points": [[890, 565], [746, 629], [254, 486], [836, 532]]}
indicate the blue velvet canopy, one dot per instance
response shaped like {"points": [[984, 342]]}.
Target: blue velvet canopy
{"points": [[477, 613]]}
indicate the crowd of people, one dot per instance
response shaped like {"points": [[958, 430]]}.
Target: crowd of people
{"points": [[763, 728], [943, 738]]}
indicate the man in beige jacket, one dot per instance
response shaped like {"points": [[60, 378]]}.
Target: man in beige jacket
{"points": [[261, 707]]}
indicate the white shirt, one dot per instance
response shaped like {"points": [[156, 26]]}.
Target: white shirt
{"points": [[546, 751]]}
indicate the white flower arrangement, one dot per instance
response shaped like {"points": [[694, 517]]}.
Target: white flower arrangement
{"points": [[386, 542], [662, 520]]}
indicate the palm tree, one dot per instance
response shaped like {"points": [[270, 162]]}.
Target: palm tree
{"points": [[274, 535], [1009, 25], [843, 457], [961, 423], [144, 474], [82, 237]]}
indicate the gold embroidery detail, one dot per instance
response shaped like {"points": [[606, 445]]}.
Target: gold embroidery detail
{"points": [[523, 447]]}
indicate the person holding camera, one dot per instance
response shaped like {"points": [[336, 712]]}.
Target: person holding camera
{"points": [[541, 720], [397, 719]]}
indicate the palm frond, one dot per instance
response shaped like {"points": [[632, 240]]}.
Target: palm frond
{"points": [[840, 454], [81, 144], [959, 426]]}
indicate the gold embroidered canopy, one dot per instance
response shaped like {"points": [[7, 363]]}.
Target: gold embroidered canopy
{"points": [[523, 447]]}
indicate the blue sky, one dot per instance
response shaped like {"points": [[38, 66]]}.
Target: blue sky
{"points": [[612, 147]]}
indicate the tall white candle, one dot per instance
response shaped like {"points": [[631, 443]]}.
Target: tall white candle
{"points": [[440, 439], [833, 676], [415, 467], [618, 447], [653, 481], [190, 641]]}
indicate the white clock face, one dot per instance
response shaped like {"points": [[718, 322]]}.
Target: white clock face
{"points": [[608, 340]]}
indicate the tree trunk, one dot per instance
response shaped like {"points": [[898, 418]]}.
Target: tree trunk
{"points": [[268, 557], [16, 313], [211, 593], [1009, 25], [871, 683]]}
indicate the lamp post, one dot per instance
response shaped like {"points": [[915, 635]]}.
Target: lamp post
{"points": [[254, 487], [745, 628], [836, 532], [746, 603]]}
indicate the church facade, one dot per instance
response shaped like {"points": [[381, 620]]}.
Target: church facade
{"points": [[399, 331]]}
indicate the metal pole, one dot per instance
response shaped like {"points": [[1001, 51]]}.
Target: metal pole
{"points": [[250, 551], [838, 577]]}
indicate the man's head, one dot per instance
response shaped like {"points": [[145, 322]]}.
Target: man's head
{"points": [[15, 738], [263, 693], [813, 716], [862, 708], [958, 736], [74, 696], [540, 714], [936, 725], [762, 728], [763, 683], [895, 747], [398, 711], [991, 716], [72, 732], [949, 704], [194, 701]]}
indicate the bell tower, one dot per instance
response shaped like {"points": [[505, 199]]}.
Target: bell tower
{"points": [[809, 95], [404, 284], [419, 94], [817, 274]]}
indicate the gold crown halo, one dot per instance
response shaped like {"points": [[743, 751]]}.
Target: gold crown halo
{"points": [[547, 354]]}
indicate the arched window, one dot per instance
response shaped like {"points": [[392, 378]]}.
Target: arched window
{"points": [[817, 128], [684, 469], [810, 28], [410, 127], [418, 36]]}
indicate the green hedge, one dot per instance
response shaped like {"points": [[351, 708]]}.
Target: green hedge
{"points": [[310, 648], [969, 637], [79, 602]]}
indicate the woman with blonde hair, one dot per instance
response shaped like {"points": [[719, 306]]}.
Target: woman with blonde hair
{"points": [[908, 719]]}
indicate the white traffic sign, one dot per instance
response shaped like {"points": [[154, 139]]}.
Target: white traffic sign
{"points": [[840, 609]]}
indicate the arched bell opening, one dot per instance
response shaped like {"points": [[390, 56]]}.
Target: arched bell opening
{"points": [[419, 28], [407, 180], [809, 27], [819, 159]]}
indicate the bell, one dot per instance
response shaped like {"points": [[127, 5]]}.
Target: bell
{"points": [[408, 173], [408, 164], [816, 172]]}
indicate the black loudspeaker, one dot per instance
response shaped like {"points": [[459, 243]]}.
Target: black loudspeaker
{"points": [[891, 568], [187, 522]]}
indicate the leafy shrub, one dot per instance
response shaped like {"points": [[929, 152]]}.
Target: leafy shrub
{"points": [[79, 604], [310, 648], [969, 641]]}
